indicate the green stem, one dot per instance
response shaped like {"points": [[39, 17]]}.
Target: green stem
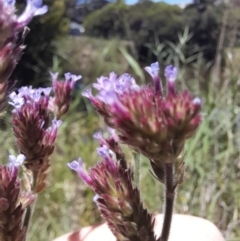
{"points": [[137, 164], [28, 216], [30, 208], [169, 202]]}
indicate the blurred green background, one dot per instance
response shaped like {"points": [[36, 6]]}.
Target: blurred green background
{"points": [[202, 39]]}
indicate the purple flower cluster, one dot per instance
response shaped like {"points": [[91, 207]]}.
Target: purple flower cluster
{"points": [[32, 125], [117, 199], [152, 123], [13, 201], [10, 24], [59, 104], [11, 42]]}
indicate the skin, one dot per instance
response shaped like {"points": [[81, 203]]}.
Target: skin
{"points": [[184, 228]]}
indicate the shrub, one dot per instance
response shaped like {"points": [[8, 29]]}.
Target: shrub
{"points": [[141, 23]]}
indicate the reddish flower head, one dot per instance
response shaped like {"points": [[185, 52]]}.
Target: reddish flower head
{"points": [[34, 131], [145, 119], [12, 202], [59, 104], [117, 198]]}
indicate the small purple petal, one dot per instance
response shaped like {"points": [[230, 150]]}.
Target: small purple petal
{"points": [[41, 11], [153, 69], [103, 83], [17, 101], [11, 2], [33, 8], [98, 135], [77, 167], [16, 161], [103, 151], [113, 134], [87, 93], [56, 123], [96, 197], [108, 97], [171, 73], [67, 76], [46, 91], [76, 77], [54, 76], [197, 101]]}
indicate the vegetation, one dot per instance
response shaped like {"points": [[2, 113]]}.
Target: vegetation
{"points": [[148, 22], [122, 35], [211, 189]]}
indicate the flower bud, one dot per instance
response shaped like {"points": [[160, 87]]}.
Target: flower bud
{"points": [[59, 104]]}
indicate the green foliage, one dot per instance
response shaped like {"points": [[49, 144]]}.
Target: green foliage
{"points": [[37, 60], [205, 26], [148, 23], [211, 189], [140, 23], [91, 57], [108, 21]]}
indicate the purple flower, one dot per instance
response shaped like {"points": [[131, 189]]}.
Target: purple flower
{"points": [[98, 135], [17, 161], [56, 123], [171, 73], [10, 23], [87, 93], [117, 199], [78, 168], [76, 165], [113, 134], [71, 79], [33, 8], [51, 132], [111, 89], [32, 126], [26, 94], [96, 197], [108, 87], [153, 70], [103, 151], [144, 118], [60, 103], [197, 101], [105, 83], [54, 76], [46, 91], [171, 76], [17, 100]]}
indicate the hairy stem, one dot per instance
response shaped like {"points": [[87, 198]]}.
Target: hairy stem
{"points": [[169, 202], [30, 208], [137, 164]]}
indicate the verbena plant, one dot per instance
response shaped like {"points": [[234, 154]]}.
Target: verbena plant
{"points": [[172, 118], [149, 121]]}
